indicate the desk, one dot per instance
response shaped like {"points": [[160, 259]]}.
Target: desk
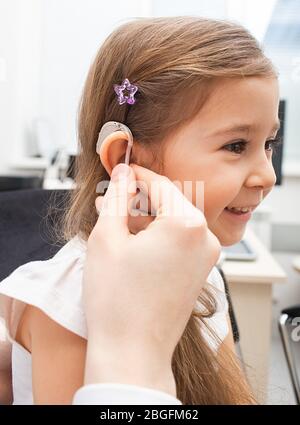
{"points": [[250, 284], [55, 184]]}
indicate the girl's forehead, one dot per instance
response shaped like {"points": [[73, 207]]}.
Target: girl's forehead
{"points": [[227, 89], [238, 107], [246, 98]]}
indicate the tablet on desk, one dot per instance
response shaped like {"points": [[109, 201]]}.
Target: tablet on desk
{"points": [[240, 251]]}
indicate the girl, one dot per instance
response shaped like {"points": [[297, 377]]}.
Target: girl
{"points": [[206, 110]]}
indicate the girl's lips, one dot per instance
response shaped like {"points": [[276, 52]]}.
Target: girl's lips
{"points": [[238, 218]]}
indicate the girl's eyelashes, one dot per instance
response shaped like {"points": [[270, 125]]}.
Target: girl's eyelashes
{"points": [[275, 143], [236, 147], [239, 146]]}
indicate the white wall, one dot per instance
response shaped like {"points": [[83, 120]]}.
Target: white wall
{"points": [[7, 88], [47, 47], [80, 28], [253, 14], [207, 8], [19, 40]]}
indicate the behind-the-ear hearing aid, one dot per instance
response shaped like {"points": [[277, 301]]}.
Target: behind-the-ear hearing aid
{"points": [[110, 127]]}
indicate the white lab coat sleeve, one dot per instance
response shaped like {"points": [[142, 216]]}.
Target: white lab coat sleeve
{"points": [[114, 393]]}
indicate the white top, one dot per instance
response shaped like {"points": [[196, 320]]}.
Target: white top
{"points": [[55, 287], [121, 394]]}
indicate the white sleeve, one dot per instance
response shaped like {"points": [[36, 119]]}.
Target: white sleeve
{"points": [[115, 393]]}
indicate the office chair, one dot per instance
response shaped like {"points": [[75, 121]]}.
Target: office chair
{"points": [[288, 321], [25, 226]]}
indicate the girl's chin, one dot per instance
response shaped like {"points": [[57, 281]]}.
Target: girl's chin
{"points": [[228, 238]]}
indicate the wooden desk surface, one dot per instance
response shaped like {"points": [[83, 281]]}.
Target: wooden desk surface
{"points": [[264, 269]]}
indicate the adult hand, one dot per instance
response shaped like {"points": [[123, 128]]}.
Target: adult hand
{"points": [[139, 290]]}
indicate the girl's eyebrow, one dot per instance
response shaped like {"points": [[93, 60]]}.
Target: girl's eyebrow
{"points": [[243, 128]]}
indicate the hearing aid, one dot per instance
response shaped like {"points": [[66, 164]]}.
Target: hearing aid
{"points": [[109, 128]]}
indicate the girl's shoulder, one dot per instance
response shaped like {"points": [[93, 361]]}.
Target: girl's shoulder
{"points": [[58, 357], [35, 324], [22, 335]]}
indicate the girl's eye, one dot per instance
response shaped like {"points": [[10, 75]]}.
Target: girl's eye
{"points": [[239, 146], [236, 147], [274, 144]]}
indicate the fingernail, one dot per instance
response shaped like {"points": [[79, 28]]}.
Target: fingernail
{"points": [[121, 171]]}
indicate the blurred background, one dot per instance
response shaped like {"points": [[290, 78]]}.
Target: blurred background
{"points": [[46, 48]]}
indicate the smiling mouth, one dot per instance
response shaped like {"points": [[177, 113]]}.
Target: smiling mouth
{"points": [[241, 210]]}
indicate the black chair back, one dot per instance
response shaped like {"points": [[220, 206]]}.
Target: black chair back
{"points": [[26, 226]]}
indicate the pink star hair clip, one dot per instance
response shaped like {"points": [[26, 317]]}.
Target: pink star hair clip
{"points": [[130, 88]]}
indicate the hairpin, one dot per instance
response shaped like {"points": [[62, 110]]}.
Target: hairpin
{"points": [[130, 88]]}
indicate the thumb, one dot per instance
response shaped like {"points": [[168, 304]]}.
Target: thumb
{"points": [[113, 215]]}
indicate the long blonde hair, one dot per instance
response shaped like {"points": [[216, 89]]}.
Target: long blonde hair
{"points": [[174, 61]]}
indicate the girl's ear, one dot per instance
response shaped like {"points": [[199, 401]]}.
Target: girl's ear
{"points": [[113, 149]]}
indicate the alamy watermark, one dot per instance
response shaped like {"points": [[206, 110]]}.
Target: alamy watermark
{"points": [[295, 334], [163, 193]]}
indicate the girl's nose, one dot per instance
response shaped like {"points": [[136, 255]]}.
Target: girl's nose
{"points": [[262, 173]]}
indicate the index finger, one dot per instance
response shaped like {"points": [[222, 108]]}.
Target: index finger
{"points": [[113, 215]]}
